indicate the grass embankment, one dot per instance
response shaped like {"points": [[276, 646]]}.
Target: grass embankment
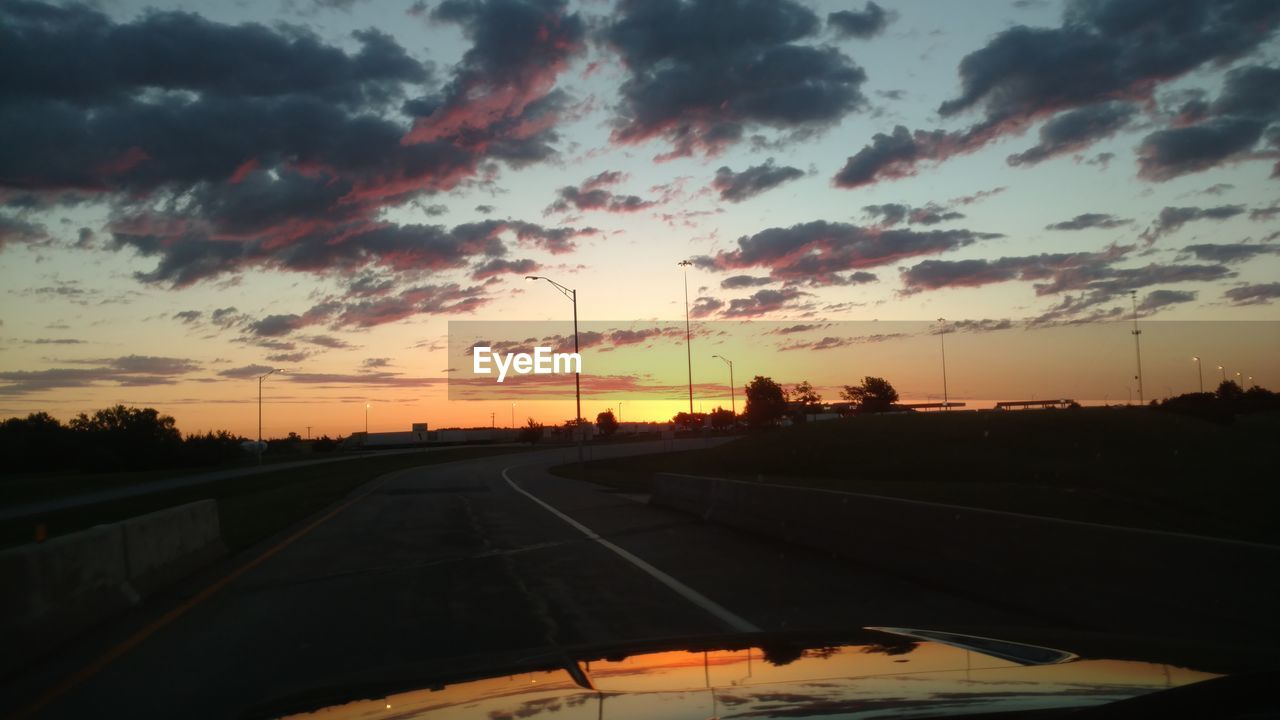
{"points": [[250, 507], [1118, 466]]}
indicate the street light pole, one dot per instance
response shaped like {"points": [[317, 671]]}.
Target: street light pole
{"points": [[1199, 372], [573, 297], [733, 404], [688, 333], [946, 402], [1224, 373], [577, 383], [260, 379], [1137, 343]]}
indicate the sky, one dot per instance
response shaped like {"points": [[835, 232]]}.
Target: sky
{"points": [[192, 194]]}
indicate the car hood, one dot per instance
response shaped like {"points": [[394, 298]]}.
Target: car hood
{"points": [[874, 672]]}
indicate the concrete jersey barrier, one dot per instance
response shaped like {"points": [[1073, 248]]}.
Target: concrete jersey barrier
{"points": [[56, 589]]}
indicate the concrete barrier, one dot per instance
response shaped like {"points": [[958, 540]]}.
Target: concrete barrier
{"points": [[1093, 575], [54, 590]]}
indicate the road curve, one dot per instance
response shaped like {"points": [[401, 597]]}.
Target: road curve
{"points": [[434, 570]]}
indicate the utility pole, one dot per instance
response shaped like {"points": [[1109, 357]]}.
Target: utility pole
{"points": [[1137, 343], [946, 402], [308, 432]]}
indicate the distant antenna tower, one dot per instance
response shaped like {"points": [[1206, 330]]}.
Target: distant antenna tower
{"points": [[1137, 343]]}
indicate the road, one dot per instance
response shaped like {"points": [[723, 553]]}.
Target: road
{"points": [[441, 568]]}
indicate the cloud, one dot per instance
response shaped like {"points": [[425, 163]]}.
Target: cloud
{"points": [[188, 316], [1258, 294], [1092, 275], [16, 230], [700, 73], [736, 187], [1159, 299], [245, 372], [1171, 219], [1230, 252], [817, 250], [1089, 220], [868, 23], [763, 302], [592, 195], [1228, 130], [705, 306], [124, 371], [378, 362], [931, 213], [222, 148], [499, 266], [1075, 130], [832, 343], [1104, 52], [502, 96], [737, 282]]}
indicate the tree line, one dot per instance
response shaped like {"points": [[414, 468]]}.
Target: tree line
{"points": [[120, 438]]}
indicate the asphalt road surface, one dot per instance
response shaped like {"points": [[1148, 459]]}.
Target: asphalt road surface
{"points": [[435, 570]]}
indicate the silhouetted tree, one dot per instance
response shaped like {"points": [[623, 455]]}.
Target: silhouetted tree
{"points": [[805, 394], [722, 418], [607, 423], [120, 438], [36, 442], [765, 402], [873, 395], [1228, 390], [531, 432], [689, 421]]}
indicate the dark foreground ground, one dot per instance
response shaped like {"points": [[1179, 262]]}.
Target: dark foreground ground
{"points": [[439, 570], [1133, 467]]}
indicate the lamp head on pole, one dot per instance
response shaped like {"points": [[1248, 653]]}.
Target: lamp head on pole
{"points": [[684, 263]]}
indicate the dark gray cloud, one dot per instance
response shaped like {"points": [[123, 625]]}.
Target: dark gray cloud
{"points": [[814, 251], [1075, 130], [1093, 276], [739, 186], [705, 306], [1104, 51], [864, 24], [1259, 294], [763, 302], [593, 194], [125, 371], [889, 214], [1089, 220], [1230, 253], [501, 266], [701, 72], [1158, 299], [221, 148], [1228, 129], [188, 316], [737, 282], [1171, 219]]}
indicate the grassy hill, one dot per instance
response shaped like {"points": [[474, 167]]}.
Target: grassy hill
{"points": [[1122, 466]]}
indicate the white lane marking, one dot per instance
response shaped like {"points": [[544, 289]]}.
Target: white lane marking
{"points": [[719, 611]]}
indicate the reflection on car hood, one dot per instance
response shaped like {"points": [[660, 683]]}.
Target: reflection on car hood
{"points": [[883, 672]]}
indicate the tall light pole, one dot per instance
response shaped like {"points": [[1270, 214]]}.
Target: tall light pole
{"points": [[513, 416], [260, 379], [946, 401], [1240, 380], [619, 412], [577, 383], [573, 297], [1137, 344], [733, 404], [366, 423], [1224, 373], [1199, 372], [688, 332]]}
